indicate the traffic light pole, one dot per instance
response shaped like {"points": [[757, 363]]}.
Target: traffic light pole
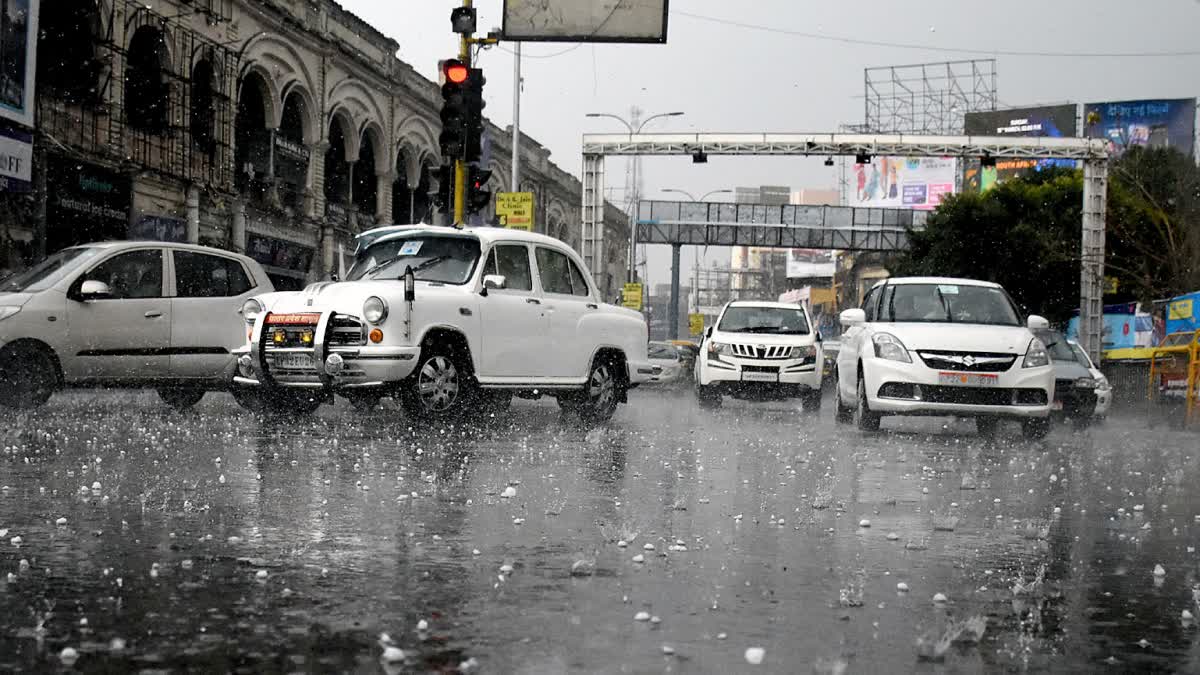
{"points": [[460, 167]]}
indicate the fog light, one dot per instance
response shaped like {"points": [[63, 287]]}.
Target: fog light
{"points": [[245, 366], [334, 364], [279, 337], [376, 335], [306, 337]]}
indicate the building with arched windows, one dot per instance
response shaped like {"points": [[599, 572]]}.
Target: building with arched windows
{"points": [[274, 127]]}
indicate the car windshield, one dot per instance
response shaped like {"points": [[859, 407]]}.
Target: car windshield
{"points": [[663, 352], [48, 272], [778, 320], [440, 259], [1057, 346], [1080, 355], [947, 303]]}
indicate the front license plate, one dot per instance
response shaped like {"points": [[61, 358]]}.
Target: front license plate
{"points": [[760, 377], [968, 379], [293, 361]]}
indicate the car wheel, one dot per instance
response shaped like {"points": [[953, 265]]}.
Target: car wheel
{"points": [[364, 402], [810, 401], [987, 426], [864, 418], [602, 392], [843, 413], [1035, 429], [181, 398], [438, 388], [27, 376], [708, 396]]}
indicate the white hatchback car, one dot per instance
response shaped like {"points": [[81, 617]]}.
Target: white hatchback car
{"points": [[125, 314], [760, 350], [937, 346], [444, 320]]}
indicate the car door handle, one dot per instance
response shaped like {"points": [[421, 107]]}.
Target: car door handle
{"points": [[533, 301], [592, 305], [152, 314]]}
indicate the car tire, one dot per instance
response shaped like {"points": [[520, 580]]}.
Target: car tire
{"points": [[708, 397], [181, 398], [864, 418], [364, 402], [987, 427], [28, 377], [439, 387], [602, 392], [810, 401], [842, 412], [1035, 429]]}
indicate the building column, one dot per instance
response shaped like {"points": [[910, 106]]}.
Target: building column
{"points": [[314, 187], [383, 196], [193, 214], [237, 229]]}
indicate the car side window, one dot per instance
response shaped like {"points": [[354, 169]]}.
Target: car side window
{"points": [[869, 304], [886, 309], [554, 270], [198, 275], [579, 283], [511, 261], [137, 274]]}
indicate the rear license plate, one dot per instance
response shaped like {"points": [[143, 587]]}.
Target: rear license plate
{"points": [[294, 361], [760, 377], [968, 379]]}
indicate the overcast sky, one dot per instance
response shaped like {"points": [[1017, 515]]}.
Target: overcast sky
{"points": [[731, 78]]}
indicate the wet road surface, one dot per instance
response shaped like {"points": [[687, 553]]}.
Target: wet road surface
{"points": [[133, 538]]}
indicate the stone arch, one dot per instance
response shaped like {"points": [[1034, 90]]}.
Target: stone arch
{"points": [[416, 136], [147, 93], [342, 137], [68, 67], [259, 76], [371, 149], [342, 117], [307, 109], [359, 104], [272, 54], [558, 223]]}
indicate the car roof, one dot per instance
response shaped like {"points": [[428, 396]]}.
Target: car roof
{"points": [[764, 303], [142, 243], [485, 234], [937, 280]]}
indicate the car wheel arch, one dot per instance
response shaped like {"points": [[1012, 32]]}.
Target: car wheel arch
{"points": [[443, 335], [615, 356], [44, 348]]}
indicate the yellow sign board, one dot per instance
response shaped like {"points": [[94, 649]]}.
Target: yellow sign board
{"points": [[1111, 285], [1179, 310], [696, 324], [515, 210], [631, 296]]}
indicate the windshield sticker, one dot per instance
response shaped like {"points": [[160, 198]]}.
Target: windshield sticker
{"points": [[411, 247], [948, 290]]}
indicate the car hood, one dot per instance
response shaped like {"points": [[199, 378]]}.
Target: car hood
{"points": [[960, 337], [761, 338], [1069, 370], [14, 299], [348, 296]]}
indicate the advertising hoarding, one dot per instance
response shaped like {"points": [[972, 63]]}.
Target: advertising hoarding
{"points": [[1055, 121], [904, 182], [807, 263], [514, 210], [1158, 123], [586, 20], [18, 59]]}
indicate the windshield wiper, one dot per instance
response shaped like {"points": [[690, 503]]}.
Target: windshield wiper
{"points": [[431, 262], [380, 265], [945, 305]]}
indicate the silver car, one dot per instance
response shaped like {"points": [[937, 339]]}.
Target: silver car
{"points": [[125, 314]]}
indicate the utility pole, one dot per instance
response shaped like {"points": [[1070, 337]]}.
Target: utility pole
{"points": [[460, 167], [516, 125]]}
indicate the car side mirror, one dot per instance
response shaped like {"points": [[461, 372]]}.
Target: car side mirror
{"points": [[819, 338], [94, 290], [708, 332], [495, 282], [853, 317], [1036, 322]]}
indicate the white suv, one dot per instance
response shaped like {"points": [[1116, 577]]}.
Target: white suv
{"points": [[445, 320], [760, 350], [936, 346], [130, 313]]}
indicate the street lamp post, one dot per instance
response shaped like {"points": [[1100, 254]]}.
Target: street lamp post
{"points": [[673, 311], [633, 215]]}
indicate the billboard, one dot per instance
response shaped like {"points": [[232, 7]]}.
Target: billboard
{"points": [[904, 182], [808, 263], [1159, 123], [586, 20], [1055, 121], [18, 59]]}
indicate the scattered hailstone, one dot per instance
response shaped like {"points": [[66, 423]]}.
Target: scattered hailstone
{"points": [[518, 521], [1186, 615], [16, 541], [261, 574], [422, 625], [392, 654], [96, 485], [939, 598], [668, 650], [892, 536], [641, 616], [648, 547], [902, 587], [639, 558], [722, 636], [60, 522], [506, 569], [68, 656], [1159, 571], [755, 655], [509, 492], [622, 543], [475, 551], [864, 523]]}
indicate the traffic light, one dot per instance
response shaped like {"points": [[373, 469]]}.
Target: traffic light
{"points": [[454, 75], [478, 197], [474, 104], [444, 197]]}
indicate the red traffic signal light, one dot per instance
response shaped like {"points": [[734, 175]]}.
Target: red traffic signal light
{"points": [[454, 71]]}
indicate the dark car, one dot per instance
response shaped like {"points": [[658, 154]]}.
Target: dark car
{"points": [[1074, 385]]}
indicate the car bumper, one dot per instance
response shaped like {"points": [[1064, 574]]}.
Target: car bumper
{"points": [[642, 372], [735, 373], [896, 388], [1104, 400]]}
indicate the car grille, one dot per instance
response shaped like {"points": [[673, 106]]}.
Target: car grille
{"points": [[346, 331], [761, 351], [967, 362], [962, 395]]}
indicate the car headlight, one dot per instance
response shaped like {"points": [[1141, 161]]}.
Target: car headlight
{"points": [[718, 348], [1085, 383], [1036, 355], [1102, 384], [6, 312], [375, 309], [809, 352], [250, 310], [888, 346]]}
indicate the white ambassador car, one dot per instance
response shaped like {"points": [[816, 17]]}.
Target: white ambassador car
{"points": [[936, 346], [760, 350], [125, 314], [443, 319]]}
